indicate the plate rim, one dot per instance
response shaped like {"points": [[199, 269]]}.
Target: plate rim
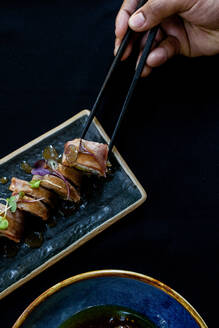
{"points": [[88, 236], [110, 273]]}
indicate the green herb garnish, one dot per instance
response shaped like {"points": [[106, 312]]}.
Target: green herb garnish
{"points": [[12, 202], [35, 183], [3, 223], [21, 194]]}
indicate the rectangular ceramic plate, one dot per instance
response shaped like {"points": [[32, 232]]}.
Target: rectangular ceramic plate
{"points": [[118, 196]]}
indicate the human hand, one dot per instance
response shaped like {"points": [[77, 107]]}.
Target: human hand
{"points": [[187, 27]]}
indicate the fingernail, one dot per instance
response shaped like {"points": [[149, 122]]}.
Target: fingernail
{"points": [[117, 44], [115, 50], [137, 62], [137, 20]]}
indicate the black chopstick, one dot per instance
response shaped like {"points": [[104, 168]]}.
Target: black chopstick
{"points": [[151, 36], [114, 64]]}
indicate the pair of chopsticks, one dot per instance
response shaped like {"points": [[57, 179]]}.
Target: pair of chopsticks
{"points": [[151, 36]]}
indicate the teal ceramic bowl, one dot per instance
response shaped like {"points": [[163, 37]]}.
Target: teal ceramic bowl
{"points": [[140, 293]]}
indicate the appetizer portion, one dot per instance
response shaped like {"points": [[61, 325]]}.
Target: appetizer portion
{"points": [[70, 174], [88, 156], [32, 206], [11, 224], [32, 189], [63, 188], [50, 179]]}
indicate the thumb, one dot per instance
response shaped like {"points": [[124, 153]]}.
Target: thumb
{"points": [[155, 11]]}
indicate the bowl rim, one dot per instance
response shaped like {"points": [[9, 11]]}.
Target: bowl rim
{"points": [[110, 273]]}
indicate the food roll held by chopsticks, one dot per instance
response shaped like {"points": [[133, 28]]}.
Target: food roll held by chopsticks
{"points": [[86, 155]]}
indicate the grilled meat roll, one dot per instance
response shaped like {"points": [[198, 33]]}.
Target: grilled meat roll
{"points": [[64, 189], [18, 185], [33, 206], [86, 155], [70, 174]]}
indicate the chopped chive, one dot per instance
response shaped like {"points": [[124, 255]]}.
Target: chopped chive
{"points": [[12, 202], [35, 183], [21, 194], [3, 223]]}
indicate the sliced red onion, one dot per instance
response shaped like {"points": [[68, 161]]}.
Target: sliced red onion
{"points": [[21, 199], [40, 171], [40, 168]]}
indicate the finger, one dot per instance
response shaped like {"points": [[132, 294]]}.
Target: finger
{"points": [[158, 38], [164, 51], [121, 26], [128, 48], [155, 11], [160, 54], [127, 51], [146, 71], [127, 9]]}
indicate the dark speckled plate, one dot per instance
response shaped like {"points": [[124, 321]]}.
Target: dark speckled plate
{"points": [[115, 197]]}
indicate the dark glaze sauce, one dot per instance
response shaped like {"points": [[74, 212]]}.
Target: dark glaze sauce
{"points": [[8, 248], [67, 208], [50, 153], [34, 239], [107, 316], [33, 231], [3, 180], [25, 167]]}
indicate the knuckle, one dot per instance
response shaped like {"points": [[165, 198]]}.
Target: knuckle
{"points": [[153, 7], [174, 44]]}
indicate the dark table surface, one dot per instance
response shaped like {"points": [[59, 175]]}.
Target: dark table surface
{"points": [[54, 56]]}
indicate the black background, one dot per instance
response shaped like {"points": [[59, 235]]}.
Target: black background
{"points": [[54, 56]]}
